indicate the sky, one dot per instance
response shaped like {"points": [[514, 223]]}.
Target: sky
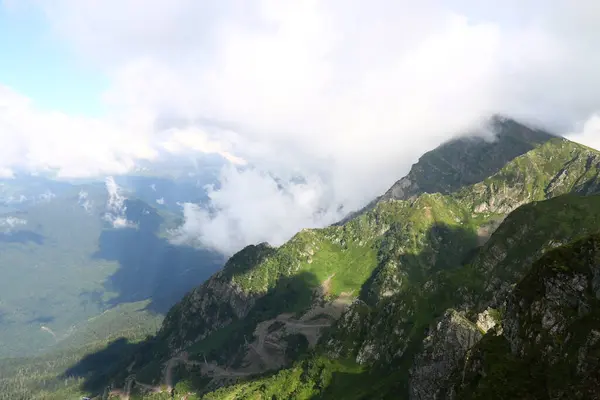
{"points": [[318, 106], [42, 68]]}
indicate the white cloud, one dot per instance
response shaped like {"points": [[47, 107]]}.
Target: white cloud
{"points": [[589, 132], [9, 223], [84, 201], [74, 146], [47, 195], [270, 211], [115, 205], [346, 94], [160, 201]]}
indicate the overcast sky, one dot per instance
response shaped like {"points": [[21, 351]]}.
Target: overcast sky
{"points": [[329, 102]]}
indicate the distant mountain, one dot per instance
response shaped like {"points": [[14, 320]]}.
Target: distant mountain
{"points": [[475, 276]]}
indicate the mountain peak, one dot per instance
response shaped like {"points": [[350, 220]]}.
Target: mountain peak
{"points": [[469, 158]]}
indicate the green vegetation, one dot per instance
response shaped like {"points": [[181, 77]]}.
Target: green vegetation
{"points": [[316, 377], [46, 377]]}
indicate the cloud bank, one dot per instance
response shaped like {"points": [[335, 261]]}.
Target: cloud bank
{"points": [[321, 105]]}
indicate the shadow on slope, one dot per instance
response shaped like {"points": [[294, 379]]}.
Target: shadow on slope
{"points": [[100, 368], [122, 358], [445, 247], [150, 266], [22, 236]]}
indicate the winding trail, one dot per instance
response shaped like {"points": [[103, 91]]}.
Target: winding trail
{"points": [[210, 369], [308, 325]]}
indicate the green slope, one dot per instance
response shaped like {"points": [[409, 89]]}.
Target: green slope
{"points": [[558, 220], [42, 377]]}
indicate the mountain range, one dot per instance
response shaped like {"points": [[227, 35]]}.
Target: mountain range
{"points": [[474, 276]]}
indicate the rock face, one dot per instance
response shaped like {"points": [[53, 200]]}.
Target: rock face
{"points": [[550, 345], [468, 160], [486, 321], [464, 161], [213, 305], [443, 350]]}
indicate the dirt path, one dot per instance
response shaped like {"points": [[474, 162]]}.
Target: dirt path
{"points": [[258, 359], [326, 285], [210, 369]]}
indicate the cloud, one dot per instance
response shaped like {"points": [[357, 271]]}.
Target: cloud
{"points": [[588, 132], [270, 211], [84, 201], [320, 105], [71, 147], [9, 223], [47, 195], [115, 205]]}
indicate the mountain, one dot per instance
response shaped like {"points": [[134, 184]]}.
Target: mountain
{"points": [[464, 161], [547, 344], [73, 250], [444, 287]]}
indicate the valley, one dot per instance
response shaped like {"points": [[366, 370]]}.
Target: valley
{"points": [[64, 265]]}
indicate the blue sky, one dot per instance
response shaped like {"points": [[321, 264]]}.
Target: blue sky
{"points": [[36, 64]]}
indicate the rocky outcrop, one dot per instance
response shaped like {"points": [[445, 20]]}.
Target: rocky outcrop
{"points": [[443, 350], [214, 304], [560, 291], [487, 320], [549, 345], [469, 159], [206, 309]]}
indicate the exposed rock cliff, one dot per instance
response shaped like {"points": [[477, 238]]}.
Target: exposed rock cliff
{"points": [[549, 347]]}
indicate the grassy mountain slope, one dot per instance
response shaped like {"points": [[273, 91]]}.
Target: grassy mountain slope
{"points": [[397, 239], [401, 259], [394, 334]]}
